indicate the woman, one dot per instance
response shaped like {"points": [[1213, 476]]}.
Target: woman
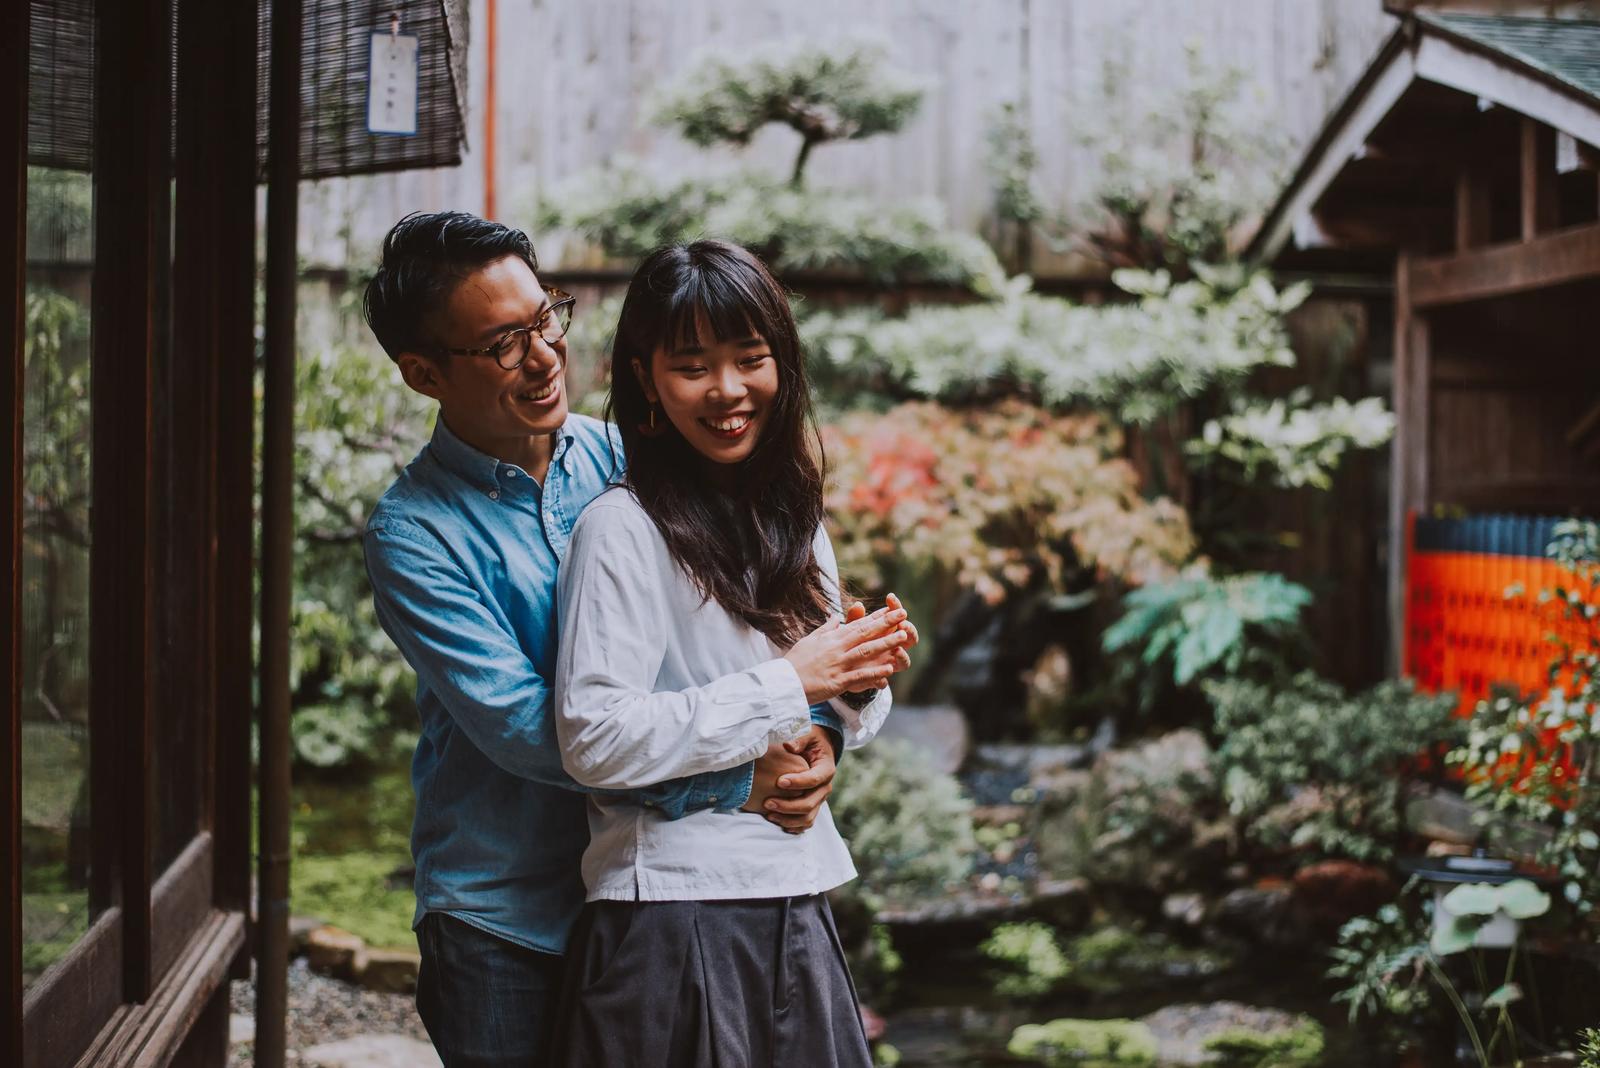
{"points": [[706, 940]]}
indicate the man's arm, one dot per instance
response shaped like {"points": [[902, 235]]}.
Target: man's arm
{"points": [[480, 673]]}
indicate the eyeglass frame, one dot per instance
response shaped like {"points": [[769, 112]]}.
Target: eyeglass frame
{"points": [[558, 298]]}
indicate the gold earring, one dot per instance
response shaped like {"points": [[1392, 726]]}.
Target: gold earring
{"points": [[652, 417]]}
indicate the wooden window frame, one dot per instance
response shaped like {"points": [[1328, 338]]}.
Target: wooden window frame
{"points": [[156, 959]]}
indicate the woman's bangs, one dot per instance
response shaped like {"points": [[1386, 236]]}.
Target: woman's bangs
{"points": [[729, 308]]}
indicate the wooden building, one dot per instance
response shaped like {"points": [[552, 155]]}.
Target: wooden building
{"points": [[128, 681], [1464, 167]]}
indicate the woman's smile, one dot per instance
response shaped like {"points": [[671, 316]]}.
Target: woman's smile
{"points": [[730, 427]]}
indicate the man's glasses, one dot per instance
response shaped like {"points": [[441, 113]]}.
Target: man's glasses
{"points": [[511, 348]]}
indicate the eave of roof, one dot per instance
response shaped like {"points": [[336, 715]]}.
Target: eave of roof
{"points": [[1401, 47]]}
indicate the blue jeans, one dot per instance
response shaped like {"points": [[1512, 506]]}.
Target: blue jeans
{"points": [[486, 1002]]}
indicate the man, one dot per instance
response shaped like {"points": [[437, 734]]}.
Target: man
{"points": [[462, 552]]}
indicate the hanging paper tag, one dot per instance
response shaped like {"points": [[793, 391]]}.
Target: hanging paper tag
{"points": [[392, 84]]}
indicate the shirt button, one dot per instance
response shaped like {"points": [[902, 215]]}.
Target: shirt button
{"points": [[494, 495], [511, 472], [713, 799]]}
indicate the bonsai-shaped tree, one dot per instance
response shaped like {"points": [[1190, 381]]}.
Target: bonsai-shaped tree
{"points": [[833, 93], [823, 95]]}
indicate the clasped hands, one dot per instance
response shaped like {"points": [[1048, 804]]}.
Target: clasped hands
{"points": [[855, 654]]}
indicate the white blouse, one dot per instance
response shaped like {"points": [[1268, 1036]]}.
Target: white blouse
{"points": [[653, 682]]}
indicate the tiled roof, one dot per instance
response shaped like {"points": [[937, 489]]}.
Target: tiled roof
{"points": [[1566, 50]]}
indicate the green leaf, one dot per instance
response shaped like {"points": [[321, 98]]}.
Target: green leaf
{"points": [[1505, 995], [1522, 900], [1473, 899], [1459, 935]]}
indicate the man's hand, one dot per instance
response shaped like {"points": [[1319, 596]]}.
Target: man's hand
{"points": [[793, 780]]}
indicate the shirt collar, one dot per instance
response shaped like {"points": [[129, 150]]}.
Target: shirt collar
{"points": [[479, 468]]}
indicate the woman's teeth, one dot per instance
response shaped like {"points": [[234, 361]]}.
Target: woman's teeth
{"points": [[538, 394], [728, 426]]}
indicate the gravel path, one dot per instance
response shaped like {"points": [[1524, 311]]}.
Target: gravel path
{"points": [[326, 1010]]}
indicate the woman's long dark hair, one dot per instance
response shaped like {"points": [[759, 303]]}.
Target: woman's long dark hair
{"points": [[748, 545]]}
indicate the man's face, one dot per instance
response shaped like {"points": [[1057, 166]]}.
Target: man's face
{"points": [[490, 408]]}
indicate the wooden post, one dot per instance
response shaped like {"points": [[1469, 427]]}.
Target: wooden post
{"points": [[235, 521], [277, 530], [1408, 480], [133, 123], [1538, 178], [1472, 209], [14, 37]]}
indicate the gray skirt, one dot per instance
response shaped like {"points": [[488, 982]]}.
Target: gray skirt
{"points": [[708, 984]]}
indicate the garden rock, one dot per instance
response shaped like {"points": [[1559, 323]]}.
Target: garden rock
{"points": [[332, 951], [1182, 1031], [1172, 759], [372, 1051], [1063, 903], [939, 732], [1265, 915], [300, 928], [1146, 818], [1187, 909], [1333, 891], [391, 971]]}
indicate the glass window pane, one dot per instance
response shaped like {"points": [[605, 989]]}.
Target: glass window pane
{"points": [[56, 906]]}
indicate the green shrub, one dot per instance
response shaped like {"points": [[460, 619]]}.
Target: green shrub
{"points": [[354, 891], [1032, 964], [909, 825], [1085, 1043], [1283, 745], [1137, 361], [629, 209], [356, 427], [1589, 1052]]}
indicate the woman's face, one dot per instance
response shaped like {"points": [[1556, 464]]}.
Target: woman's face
{"points": [[718, 394]]}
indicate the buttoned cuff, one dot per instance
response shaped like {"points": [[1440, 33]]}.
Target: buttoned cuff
{"points": [[789, 712]]}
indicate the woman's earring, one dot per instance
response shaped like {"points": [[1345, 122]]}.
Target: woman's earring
{"points": [[650, 430]]}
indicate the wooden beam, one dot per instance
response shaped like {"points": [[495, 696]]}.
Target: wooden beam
{"points": [[14, 30], [1551, 259], [1472, 210], [1539, 200]]}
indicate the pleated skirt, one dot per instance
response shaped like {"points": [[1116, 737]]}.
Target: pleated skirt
{"points": [[708, 984]]}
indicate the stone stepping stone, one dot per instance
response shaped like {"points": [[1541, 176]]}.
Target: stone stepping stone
{"points": [[372, 1051]]}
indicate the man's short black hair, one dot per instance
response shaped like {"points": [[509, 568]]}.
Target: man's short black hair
{"points": [[424, 256]]}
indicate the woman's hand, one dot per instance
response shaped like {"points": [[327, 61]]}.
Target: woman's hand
{"points": [[859, 655], [902, 656]]}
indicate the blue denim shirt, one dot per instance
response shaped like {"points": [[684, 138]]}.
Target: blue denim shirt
{"points": [[462, 552]]}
